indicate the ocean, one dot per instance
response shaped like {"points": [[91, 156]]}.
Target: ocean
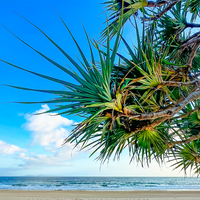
{"points": [[99, 183]]}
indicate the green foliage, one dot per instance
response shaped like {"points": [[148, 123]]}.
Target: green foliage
{"points": [[172, 24], [194, 7], [188, 157], [127, 7]]}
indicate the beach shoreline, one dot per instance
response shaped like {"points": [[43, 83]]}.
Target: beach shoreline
{"points": [[97, 195]]}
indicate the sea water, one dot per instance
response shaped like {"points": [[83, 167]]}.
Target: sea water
{"points": [[99, 183]]}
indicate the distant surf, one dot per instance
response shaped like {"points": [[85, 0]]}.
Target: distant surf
{"points": [[99, 183]]}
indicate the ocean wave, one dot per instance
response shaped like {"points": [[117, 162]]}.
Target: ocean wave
{"points": [[98, 183]]}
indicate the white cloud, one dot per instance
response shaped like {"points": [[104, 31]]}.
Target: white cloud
{"points": [[6, 148], [41, 160], [47, 129]]}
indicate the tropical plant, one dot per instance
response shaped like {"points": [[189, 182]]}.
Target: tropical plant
{"points": [[147, 101]]}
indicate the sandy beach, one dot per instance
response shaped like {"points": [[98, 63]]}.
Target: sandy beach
{"points": [[98, 195]]}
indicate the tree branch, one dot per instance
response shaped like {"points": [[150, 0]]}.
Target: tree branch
{"points": [[169, 7], [196, 35], [187, 114], [158, 3], [177, 84], [191, 41], [192, 55], [152, 125], [169, 112], [194, 137], [191, 25]]}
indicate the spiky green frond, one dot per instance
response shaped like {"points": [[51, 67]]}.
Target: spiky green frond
{"points": [[194, 7], [187, 157], [127, 7]]}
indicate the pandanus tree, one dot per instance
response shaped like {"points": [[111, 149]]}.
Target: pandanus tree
{"points": [[148, 100]]}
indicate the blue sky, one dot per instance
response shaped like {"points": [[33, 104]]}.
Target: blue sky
{"points": [[30, 144]]}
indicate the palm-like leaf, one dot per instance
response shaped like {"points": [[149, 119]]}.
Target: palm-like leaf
{"points": [[172, 25], [127, 7], [194, 7], [188, 157]]}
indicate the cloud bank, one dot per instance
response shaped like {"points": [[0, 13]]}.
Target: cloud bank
{"points": [[48, 131], [8, 149]]}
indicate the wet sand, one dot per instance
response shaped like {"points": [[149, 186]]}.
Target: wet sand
{"points": [[98, 195]]}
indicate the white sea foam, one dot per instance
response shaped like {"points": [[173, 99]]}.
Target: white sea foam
{"points": [[99, 183]]}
